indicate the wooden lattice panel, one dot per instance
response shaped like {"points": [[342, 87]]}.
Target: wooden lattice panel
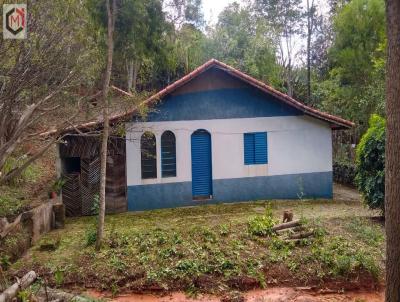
{"points": [[90, 183], [71, 194]]}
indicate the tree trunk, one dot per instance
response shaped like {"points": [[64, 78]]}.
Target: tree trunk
{"points": [[309, 32], [103, 153], [136, 66], [129, 69], [133, 70], [392, 164]]}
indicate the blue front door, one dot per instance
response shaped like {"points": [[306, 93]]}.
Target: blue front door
{"points": [[201, 165]]}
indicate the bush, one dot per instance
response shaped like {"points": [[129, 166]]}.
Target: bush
{"points": [[262, 225], [370, 163], [344, 173]]}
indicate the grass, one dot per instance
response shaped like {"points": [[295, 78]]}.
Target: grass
{"points": [[11, 202], [14, 197], [212, 248]]}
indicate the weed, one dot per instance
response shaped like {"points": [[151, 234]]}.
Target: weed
{"points": [[116, 239], [188, 266], [224, 230], [279, 249], [117, 263], [341, 258], [5, 262], [25, 295], [262, 225], [167, 252], [95, 205], [91, 236], [59, 276], [10, 203], [370, 234], [176, 238]]}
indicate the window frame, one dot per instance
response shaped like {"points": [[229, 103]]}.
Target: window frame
{"points": [[148, 155], [166, 173], [255, 148]]}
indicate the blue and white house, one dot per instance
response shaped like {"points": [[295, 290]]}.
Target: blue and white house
{"points": [[218, 135]]}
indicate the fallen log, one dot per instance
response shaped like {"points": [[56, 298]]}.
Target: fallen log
{"points": [[11, 292], [286, 225], [297, 241], [301, 235]]}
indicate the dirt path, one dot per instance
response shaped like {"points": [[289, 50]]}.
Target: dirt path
{"points": [[341, 192], [266, 295]]}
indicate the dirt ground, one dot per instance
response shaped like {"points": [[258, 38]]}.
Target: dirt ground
{"points": [[284, 294]]}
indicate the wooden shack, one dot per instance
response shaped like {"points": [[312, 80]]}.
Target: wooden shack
{"points": [[79, 158]]}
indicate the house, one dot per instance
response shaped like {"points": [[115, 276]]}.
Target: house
{"points": [[215, 135]]}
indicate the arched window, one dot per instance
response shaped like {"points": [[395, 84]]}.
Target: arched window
{"points": [[149, 155], [168, 154]]}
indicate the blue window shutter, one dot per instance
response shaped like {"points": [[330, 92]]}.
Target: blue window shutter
{"points": [[260, 147], [249, 149]]}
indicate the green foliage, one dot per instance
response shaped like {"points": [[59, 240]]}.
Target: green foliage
{"points": [[370, 162], [262, 225], [30, 174], [10, 204], [344, 173], [354, 87], [186, 248], [371, 234], [58, 184], [245, 42], [59, 276], [91, 236], [341, 258], [25, 295], [5, 262]]}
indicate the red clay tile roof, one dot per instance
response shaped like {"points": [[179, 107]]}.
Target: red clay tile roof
{"points": [[335, 121]]}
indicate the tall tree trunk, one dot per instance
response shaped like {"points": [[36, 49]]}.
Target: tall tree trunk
{"points": [[133, 70], [309, 32], [129, 70], [136, 66], [103, 155], [392, 164]]}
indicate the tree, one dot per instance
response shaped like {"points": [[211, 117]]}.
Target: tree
{"points": [[354, 87], [285, 18], [181, 12], [310, 28], [111, 15], [245, 42], [392, 188], [38, 77]]}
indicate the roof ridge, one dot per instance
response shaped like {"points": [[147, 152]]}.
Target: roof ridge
{"points": [[336, 120]]}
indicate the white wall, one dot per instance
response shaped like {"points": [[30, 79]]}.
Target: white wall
{"points": [[296, 144]]}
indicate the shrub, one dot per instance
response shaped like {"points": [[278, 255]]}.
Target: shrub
{"points": [[262, 225], [91, 236], [370, 163]]}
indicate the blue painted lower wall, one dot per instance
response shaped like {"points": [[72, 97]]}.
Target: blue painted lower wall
{"points": [[171, 195]]}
